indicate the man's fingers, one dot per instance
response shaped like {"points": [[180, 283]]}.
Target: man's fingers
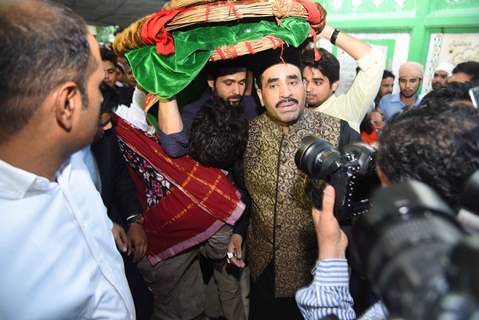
{"points": [[140, 250], [124, 241], [328, 200], [238, 263], [316, 214]]}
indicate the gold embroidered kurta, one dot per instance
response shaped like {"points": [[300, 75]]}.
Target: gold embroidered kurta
{"points": [[281, 229]]}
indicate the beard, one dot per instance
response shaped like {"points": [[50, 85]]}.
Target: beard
{"points": [[408, 94], [436, 85], [232, 101]]}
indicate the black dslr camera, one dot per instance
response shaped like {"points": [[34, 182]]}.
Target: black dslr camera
{"points": [[351, 173], [417, 256]]}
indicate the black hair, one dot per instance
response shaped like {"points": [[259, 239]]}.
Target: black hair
{"points": [[223, 67], [470, 68], [108, 55], [388, 74], [328, 64], [366, 125], [453, 91], [437, 145], [42, 45], [110, 99], [219, 134]]}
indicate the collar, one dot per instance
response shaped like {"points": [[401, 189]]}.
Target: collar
{"points": [[396, 97], [15, 183]]}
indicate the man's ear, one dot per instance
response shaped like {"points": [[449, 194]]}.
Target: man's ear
{"points": [[260, 96], [211, 82], [335, 86], [67, 102]]}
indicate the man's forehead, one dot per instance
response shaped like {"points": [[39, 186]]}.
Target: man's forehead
{"points": [[409, 78], [440, 72], [316, 72], [234, 75], [281, 70], [107, 64]]}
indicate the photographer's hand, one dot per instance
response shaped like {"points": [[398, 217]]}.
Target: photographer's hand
{"points": [[332, 241]]}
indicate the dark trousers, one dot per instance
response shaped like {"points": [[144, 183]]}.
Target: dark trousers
{"points": [[141, 295], [264, 305]]}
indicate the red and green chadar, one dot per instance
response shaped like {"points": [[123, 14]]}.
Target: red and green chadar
{"points": [[167, 50]]}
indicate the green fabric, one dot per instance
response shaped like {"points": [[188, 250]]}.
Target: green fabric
{"points": [[168, 75]]}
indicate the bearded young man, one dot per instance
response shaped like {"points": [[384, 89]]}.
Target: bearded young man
{"points": [[410, 79], [227, 81], [387, 85], [442, 72]]}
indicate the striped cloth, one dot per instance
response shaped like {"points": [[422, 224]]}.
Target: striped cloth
{"points": [[328, 294]]}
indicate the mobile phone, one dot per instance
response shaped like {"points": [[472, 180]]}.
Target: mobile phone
{"points": [[474, 93]]}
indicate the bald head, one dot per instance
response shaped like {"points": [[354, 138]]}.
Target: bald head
{"points": [[41, 46]]}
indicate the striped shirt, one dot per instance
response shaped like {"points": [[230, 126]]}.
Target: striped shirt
{"points": [[328, 294]]}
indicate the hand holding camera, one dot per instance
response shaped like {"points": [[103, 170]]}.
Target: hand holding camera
{"points": [[332, 241]]}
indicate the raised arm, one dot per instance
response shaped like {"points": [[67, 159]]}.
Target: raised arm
{"points": [[171, 135], [353, 105], [353, 46], [169, 118]]}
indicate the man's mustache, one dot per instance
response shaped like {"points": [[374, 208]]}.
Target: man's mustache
{"points": [[235, 97], [286, 101]]}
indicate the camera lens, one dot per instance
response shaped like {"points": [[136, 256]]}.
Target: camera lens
{"points": [[409, 227], [317, 158]]}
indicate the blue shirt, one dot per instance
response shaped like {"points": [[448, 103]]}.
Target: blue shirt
{"points": [[392, 104]]}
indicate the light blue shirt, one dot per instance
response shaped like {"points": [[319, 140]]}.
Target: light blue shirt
{"points": [[58, 259], [391, 104], [328, 294]]}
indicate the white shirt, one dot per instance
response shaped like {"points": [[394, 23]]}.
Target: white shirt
{"points": [[58, 259], [135, 114], [353, 105]]}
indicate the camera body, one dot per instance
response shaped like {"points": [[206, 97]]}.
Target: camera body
{"points": [[351, 172]]}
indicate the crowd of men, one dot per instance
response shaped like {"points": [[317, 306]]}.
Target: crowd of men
{"points": [[201, 213]]}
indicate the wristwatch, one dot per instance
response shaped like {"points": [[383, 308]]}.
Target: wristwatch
{"points": [[334, 36], [137, 218]]}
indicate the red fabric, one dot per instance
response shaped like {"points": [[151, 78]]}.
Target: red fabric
{"points": [[148, 99], [317, 54], [369, 138], [201, 201], [153, 32], [314, 15]]}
